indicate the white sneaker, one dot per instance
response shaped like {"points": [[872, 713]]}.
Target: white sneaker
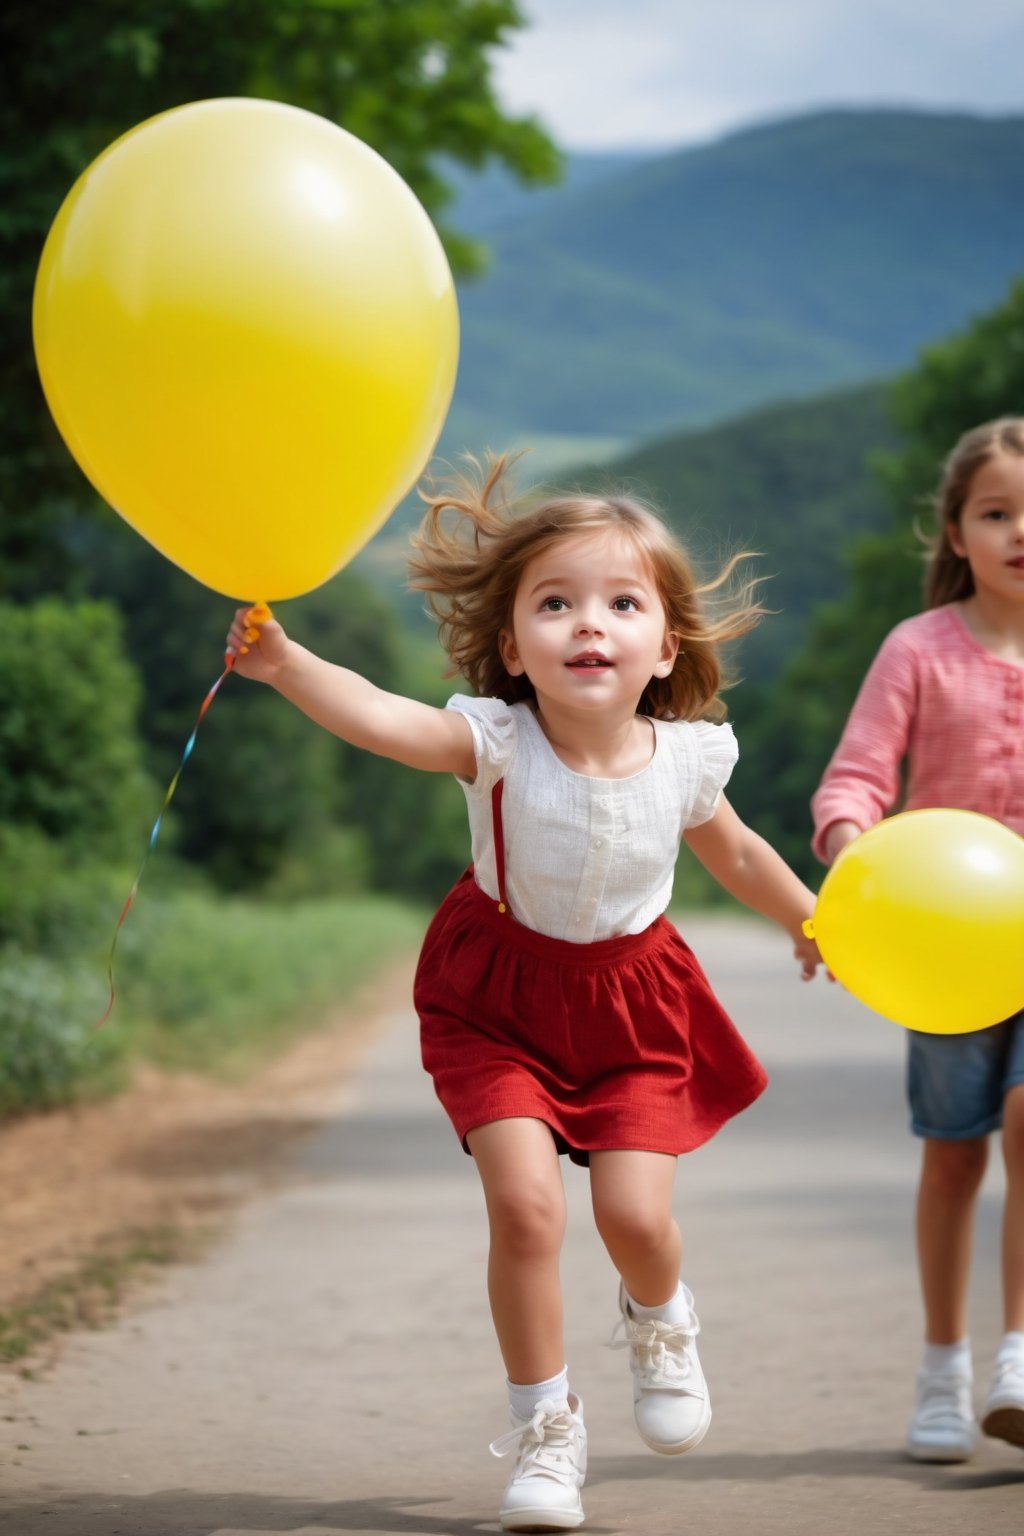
{"points": [[543, 1493], [670, 1396], [943, 1427], [1003, 1414]]}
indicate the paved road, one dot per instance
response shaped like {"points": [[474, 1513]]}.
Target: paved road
{"points": [[329, 1368]]}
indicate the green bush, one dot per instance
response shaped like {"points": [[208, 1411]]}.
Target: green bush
{"points": [[49, 1048], [70, 761], [213, 983], [51, 904]]}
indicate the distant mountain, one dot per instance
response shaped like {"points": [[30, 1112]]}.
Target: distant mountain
{"points": [[786, 259], [487, 200]]}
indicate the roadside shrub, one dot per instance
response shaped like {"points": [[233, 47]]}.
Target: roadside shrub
{"points": [[50, 1052], [49, 904], [70, 758]]}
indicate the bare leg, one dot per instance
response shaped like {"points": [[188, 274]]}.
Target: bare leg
{"points": [[1013, 1210], [951, 1175], [518, 1166], [632, 1198]]}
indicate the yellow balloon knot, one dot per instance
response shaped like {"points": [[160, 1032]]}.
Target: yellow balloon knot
{"points": [[808, 927]]}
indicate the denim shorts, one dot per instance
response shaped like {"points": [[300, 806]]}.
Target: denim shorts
{"points": [[956, 1084]]}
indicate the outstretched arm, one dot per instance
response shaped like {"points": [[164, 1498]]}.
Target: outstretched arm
{"points": [[750, 869], [350, 706]]}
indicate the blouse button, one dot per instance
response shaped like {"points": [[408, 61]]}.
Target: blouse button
{"points": [[598, 842]]}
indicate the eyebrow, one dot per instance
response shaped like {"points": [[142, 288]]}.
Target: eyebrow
{"points": [[608, 581]]}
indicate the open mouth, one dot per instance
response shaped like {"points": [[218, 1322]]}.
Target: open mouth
{"points": [[589, 662]]}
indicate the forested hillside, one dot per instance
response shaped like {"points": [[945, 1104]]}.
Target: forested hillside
{"points": [[790, 258]]}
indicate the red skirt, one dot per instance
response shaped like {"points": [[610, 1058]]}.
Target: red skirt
{"points": [[616, 1044]]}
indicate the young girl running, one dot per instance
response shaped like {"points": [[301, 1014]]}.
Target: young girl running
{"points": [[946, 693], [560, 1011]]}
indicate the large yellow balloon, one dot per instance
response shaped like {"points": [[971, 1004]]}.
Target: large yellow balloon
{"points": [[922, 919], [246, 331]]}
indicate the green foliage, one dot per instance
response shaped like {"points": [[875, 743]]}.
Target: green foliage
{"points": [[793, 727], [69, 756], [49, 1052], [50, 902], [214, 983], [410, 77]]}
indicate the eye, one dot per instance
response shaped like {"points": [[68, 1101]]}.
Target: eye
{"points": [[553, 605], [625, 605], [995, 513]]}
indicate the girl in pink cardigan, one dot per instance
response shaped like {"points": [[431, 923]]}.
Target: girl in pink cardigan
{"points": [[944, 699]]}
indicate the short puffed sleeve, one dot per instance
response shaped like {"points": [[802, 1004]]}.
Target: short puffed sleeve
{"points": [[718, 750], [493, 724]]}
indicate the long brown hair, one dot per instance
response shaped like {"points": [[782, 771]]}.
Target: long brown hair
{"points": [[476, 540], [948, 577]]}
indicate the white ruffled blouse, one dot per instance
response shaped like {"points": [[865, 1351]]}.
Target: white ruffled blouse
{"points": [[587, 858]]}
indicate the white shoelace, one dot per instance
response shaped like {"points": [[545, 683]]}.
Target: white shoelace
{"points": [[547, 1445], [660, 1352], [943, 1402], [1009, 1373]]}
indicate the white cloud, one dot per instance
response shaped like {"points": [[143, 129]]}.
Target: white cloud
{"points": [[614, 73]]}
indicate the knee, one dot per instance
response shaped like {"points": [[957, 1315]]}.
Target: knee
{"points": [[526, 1220], [639, 1227], [953, 1170]]}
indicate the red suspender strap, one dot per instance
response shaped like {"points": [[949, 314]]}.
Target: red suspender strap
{"points": [[499, 843]]}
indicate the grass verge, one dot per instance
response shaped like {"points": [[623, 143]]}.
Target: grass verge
{"points": [[89, 1295]]}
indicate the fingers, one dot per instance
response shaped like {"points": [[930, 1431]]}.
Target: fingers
{"points": [[240, 633], [245, 630]]}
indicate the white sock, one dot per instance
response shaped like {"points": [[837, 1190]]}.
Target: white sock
{"points": [[523, 1399], [1012, 1347], [948, 1359], [675, 1310]]}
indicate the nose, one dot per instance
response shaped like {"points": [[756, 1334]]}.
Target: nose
{"points": [[589, 620]]}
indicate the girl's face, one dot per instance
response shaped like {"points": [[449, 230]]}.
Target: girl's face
{"points": [[588, 624], [990, 533]]}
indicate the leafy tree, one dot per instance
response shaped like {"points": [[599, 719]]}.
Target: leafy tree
{"points": [[69, 755], [971, 377], [410, 77]]}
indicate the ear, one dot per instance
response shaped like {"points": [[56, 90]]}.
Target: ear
{"points": [[509, 654], [955, 539], [669, 652]]}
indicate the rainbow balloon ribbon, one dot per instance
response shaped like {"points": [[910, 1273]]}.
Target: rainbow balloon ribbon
{"points": [[229, 662]]}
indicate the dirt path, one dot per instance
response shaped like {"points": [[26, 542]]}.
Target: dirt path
{"points": [[174, 1152]]}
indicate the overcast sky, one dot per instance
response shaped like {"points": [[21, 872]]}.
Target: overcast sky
{"points": [[606, 74]]}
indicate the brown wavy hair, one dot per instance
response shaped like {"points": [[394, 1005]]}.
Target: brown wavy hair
{"points": [[476, 540], [948, 577]]}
